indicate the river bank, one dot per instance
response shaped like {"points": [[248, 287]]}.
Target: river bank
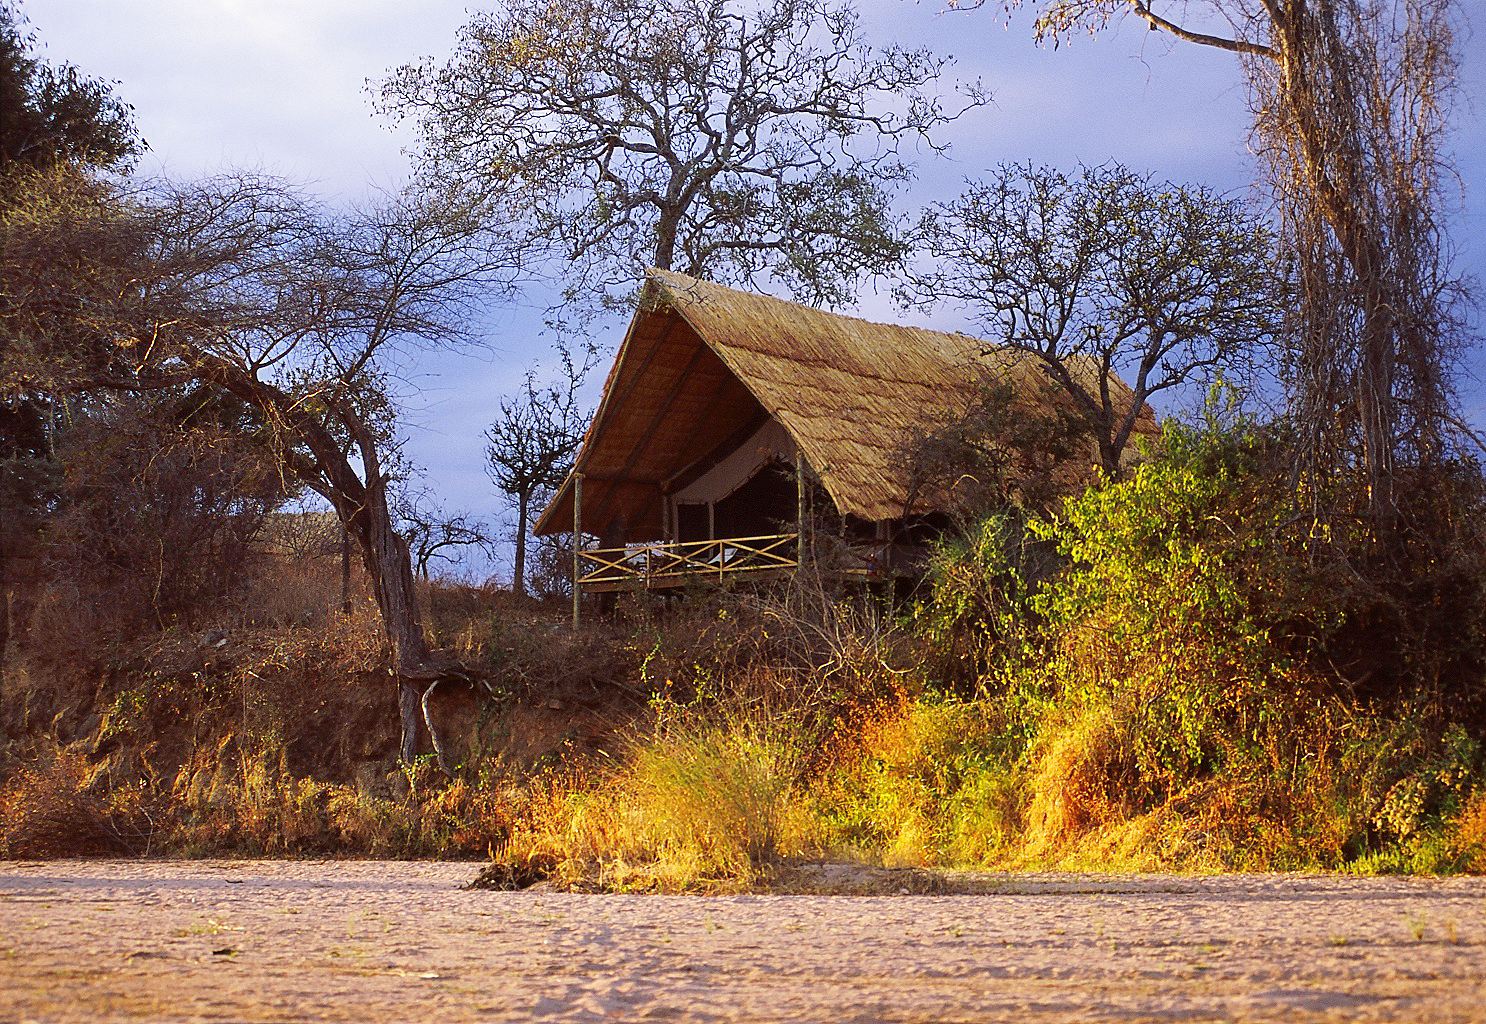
{"points": [[106, 941]]}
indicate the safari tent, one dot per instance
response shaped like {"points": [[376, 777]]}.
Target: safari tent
{"points": [[719, 408]]}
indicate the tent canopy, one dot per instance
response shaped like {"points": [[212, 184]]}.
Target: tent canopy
{"points": [[704, 368]]}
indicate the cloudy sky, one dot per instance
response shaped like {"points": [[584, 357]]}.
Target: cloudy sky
{"points": [[282, 86]]}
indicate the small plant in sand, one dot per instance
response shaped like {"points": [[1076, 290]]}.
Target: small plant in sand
{"points": [[1418, 925]]}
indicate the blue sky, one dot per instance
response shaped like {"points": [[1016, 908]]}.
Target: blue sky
{"points": [[281, 85]]}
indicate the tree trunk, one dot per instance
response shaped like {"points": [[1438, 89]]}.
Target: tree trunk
{"points": [[1330, 107], [365, 515], [345, 570], [4, 616], [390, 567], [523, 508], [666, 230], [409, 706], [1318, 93]]}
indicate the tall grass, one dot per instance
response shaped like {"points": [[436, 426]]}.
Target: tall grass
{"points": [[706, 795]]}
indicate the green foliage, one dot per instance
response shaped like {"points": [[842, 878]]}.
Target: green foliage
{"points": [[925, 782], [982, 610], [1165, 684], [1167, 611]]}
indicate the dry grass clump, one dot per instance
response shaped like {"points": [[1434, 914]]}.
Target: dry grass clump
{"points": [[696, 802], [253, 804], [1075, 782], [59, 805], [713, 799], [1468, 835]]}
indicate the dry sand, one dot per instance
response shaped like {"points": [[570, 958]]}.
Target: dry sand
{"points": [[378, 941]]}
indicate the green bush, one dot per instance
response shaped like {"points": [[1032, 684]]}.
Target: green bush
{"points": [[928, 781], [981, 613]]}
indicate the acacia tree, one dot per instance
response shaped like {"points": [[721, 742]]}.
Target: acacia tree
{"points": [[242, 286], [1101, 275], [534, 442], [728, 140], [1351, 102]]}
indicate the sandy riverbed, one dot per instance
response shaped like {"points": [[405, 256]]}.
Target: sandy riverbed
{"points": [[377, 941]]}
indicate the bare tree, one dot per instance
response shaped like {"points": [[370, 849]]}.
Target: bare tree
{"points": [[432, 532], [535, 440], [1103, 275], [725, 139], [1351, 102]]}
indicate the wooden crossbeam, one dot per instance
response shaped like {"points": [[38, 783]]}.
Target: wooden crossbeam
{"points": [[648, 565]]}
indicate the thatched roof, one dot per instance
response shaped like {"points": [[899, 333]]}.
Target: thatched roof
{"points": [[702, 366]]}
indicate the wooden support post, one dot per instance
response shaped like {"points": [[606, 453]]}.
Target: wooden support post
{"points": [[799, 509], [712, 535], [577, 546]]}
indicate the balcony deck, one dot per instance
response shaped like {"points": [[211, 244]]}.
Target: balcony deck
{"points": [[667, 565], [671, 564]]}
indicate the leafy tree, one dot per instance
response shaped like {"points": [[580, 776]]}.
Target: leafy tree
{"points": [[534, 442], [1351, 101], [1104, 274], [48, 116], [1003, 451], [238, 288], [56, 114], [724, 139]]}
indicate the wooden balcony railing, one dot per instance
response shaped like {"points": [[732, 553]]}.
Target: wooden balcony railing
{"points": [[673, 564]]}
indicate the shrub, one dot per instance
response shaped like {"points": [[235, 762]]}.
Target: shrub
{"points": [[981, 613], [921, 782], [59, 805], [1161, 634]]}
